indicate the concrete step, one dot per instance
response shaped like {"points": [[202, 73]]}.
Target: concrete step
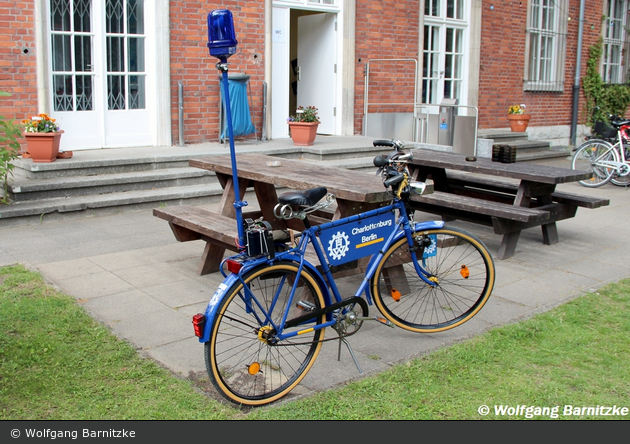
{"points": [[26, 190], [555, 152], [36, 211]]}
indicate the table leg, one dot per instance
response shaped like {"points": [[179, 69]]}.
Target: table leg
{"points": [[212, 254], [549, 231], [211, 259], [508, 245]]}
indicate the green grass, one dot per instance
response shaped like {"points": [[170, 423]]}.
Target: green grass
{"points": [[56, 362]]}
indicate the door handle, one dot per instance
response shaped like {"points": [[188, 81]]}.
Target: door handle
{"points": [[299, 73]]}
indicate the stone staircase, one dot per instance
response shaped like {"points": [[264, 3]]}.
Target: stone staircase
{"points": [[527, 150], [99, 182]]}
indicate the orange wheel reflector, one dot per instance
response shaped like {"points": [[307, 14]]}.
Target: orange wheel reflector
{"points": [[395, 294], [465, 272], [254, 368]]}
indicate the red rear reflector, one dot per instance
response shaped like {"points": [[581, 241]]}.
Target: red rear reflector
{"points": [[199, 321], [233, 266]]}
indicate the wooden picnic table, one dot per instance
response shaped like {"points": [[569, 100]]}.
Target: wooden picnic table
{"points": [[524, 195], [355, 192]]}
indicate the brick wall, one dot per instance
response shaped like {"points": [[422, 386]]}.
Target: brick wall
{"points": [[385, 29], [17, 60], [192, 64], [503, 61]]}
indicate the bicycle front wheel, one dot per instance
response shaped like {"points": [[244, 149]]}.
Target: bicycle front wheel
{"points": [[246, 362], [456, 261], [621, 177], [592, 156]]}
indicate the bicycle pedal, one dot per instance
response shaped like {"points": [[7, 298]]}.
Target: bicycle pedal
{"points": [[377, 319], [384, 321]]}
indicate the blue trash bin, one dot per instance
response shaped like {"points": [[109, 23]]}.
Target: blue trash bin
{"points": [[239, 105]]}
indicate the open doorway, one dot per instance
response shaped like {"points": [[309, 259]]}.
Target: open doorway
{"points": [[304, 67]]}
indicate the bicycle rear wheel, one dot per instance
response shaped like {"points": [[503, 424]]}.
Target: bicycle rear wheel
{"points": [[459, 264], [589, 157], [245, 361]]}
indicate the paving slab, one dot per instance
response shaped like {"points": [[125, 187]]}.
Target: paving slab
{"points": [[130, 273]]}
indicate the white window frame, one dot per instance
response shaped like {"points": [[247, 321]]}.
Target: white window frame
{"points": [[545, 45], [614, 68], [438, 19]]}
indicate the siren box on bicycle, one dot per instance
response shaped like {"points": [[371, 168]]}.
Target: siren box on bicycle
{"points": [[259, 239]]}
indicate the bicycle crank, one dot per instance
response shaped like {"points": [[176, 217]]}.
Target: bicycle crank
{"points": [[323, 311]]}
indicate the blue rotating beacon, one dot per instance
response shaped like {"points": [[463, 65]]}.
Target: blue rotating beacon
{"points": [[221, 37]]}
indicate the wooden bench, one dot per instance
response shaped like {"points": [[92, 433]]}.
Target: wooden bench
{"points": [[505, 218], [190, 223], [478, 210], [504, 191]]}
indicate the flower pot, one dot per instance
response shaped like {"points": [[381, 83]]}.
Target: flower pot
{"points": [[43, 147], [303, 133], [518, 122]]}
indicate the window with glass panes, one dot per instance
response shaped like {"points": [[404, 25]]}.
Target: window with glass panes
{"points": [[124, 28], [443, 50], [71, 53], [546, 44], [614, 64]]}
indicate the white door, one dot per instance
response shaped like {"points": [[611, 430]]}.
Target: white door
{"points": [[317, 57], [100, 90]]}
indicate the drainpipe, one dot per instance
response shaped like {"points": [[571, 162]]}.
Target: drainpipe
{"points": [[180, 112], [576, 85]]}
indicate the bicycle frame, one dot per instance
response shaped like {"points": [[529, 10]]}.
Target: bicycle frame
{"points": [[326, 281], [620, 167]]}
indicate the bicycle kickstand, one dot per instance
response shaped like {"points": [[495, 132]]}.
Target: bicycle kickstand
{"points": [[345, 341]]}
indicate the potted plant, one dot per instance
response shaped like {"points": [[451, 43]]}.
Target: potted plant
{"points": [[517, 118], [42, 138], [303, 125]]}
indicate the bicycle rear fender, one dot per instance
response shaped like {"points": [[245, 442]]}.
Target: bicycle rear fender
{"points": [[233, 278]]}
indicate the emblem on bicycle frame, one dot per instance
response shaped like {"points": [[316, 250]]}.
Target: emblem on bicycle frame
{"points": [[357, 239], [431, 250], [338, 246]]}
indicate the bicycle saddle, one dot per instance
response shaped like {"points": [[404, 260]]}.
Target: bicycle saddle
{"points": [[619, 123], [305, 197]]}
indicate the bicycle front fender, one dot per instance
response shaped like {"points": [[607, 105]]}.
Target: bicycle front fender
{"points": [[418, 226]]}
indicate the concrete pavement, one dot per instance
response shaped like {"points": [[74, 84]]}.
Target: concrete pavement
{"points": [[130, 273]]}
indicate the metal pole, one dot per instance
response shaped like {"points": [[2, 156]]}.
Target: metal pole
{"points": [[222, 66], [264, 116], [180, 104], [576, 84]]}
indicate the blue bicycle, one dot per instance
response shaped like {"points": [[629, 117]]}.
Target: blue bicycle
{"points": [[264, 326]]}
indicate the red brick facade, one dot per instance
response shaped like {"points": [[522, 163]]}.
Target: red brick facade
{"points": [[503, 62], [17, 59], [195, 68], [385, 29]]}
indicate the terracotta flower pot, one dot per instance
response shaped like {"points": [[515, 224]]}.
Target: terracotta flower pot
{"points": [[518, 122], [303, 133], [43, 147]]}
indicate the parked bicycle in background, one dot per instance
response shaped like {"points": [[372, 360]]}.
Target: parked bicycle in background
{"points": [[606, 154]]}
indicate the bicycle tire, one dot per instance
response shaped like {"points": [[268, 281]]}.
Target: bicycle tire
{"points": [[622, 181], [586, 158], [245, 367], [410, 303]]}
